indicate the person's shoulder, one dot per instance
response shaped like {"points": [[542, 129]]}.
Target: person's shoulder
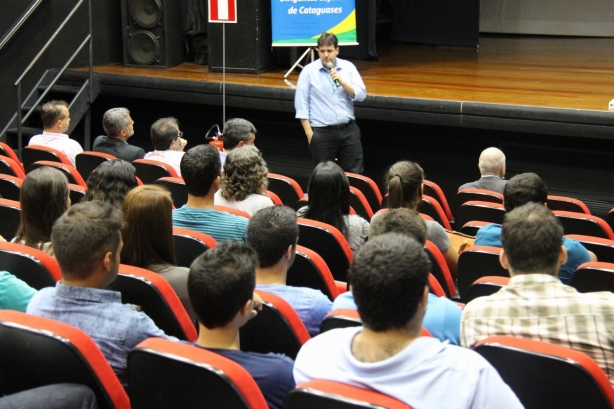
{"points": [[468, 185], [99, 139]]}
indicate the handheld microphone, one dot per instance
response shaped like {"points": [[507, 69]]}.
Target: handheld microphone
{"points": [[330, 67]]}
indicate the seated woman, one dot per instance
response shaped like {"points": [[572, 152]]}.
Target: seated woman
{"points": [[44, 198], [244, 181], [328, 192], [110, 182], [148, 238], [404, 182]]}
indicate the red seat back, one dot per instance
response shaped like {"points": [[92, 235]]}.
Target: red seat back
{"points": [[548, 376], [35, 153], [485, 286], [165, 374], [585, 224], [359, 202], [232, 210], [11, 167], [10, 187], [480, 211], [37, 268], [440, 270], [310, 270], [429, 205], [178, 189], [603, 248], [156, 298], [368, 187], [276, 200], [151, 170], [286, 188], [36, 351], [472, 194], [71, 173], [277, 328], [432, 189], [189, 244], [476, 262], [86, 162], [568, 204], [594, 276], [7, 151]]}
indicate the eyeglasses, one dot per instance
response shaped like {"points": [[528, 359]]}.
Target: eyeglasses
{"points": [[180, 134]]}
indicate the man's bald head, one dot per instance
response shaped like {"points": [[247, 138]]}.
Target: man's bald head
{"points": [[492, 162]]}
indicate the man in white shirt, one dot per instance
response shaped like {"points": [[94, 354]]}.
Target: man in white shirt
{"points": [[389, 283], [168, 143], [56, 121]]}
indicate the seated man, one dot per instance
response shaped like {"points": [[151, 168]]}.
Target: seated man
{"points": [[221, 287], [492, 171], [87, 243], [119, 127], [535, 305], [168, 143], [389, 277], [15, 294], [530, 188], [56, 121], [237, 132], [442, 318], [273, 233], [200, 169]]}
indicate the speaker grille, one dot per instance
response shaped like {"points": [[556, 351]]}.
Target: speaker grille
{"points": [[143, 48], [146, 13]]}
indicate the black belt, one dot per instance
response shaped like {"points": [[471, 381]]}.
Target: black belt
{"points": [[340, 126]]}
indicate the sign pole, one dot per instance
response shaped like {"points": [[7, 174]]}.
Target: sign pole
{"points": [[223, 11], [223, 73]]}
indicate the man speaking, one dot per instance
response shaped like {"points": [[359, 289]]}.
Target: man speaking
{"points": [[324, 102]]}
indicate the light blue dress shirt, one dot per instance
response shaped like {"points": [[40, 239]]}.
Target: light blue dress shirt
{"points": [[319, 100], [115, 327], [310, 305]]}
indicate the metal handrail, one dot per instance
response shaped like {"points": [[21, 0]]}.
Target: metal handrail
{"points": [[88, 39], [17, 25]]}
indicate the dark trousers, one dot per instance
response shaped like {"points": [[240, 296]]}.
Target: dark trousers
{"points": [[343, 145], [58, 396]]}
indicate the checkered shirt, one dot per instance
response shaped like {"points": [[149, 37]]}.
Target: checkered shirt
{"points": [[540, 307]]}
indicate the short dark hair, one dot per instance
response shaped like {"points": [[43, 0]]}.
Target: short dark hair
{"points": [[163, 132], [83, 235], [388, 275], [200, 166], [522, 189], [115, 120], [270, 231], [52, 112], [235, 131], [221, 280], [401, 220], [404, 184], [110, 182], [328, 39], [532, 238]]}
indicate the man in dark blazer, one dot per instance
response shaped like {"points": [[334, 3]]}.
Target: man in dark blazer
{"points": [[119, 126], [492, 169]]}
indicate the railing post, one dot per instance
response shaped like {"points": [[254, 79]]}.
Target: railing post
{"points": [[19, 115]]}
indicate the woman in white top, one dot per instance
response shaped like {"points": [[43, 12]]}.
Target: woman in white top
{"points": [[329, 202], [244, 181], [44, 198]]}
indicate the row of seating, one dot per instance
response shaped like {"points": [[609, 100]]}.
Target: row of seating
{"points": [[163, 373]]}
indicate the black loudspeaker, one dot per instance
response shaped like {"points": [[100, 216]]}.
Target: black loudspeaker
{"points": [[153, 33], [248, 42]]}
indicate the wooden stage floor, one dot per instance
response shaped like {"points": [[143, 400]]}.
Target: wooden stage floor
{"points": [[573, 73], [551, 85]]}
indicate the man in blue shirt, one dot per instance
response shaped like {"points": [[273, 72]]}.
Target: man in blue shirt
{"points": [[389, 277], [87, 243], [324, 102], [200, 169], [221, 287], [530, 188], [273, 233]]}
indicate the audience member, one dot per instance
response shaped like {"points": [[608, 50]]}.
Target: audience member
{"points": [[221, 286], [237, 132], [87, 243], [244, 182], [389, 282], [535, 304], [119, 127], [273, 233], [56, 121], [44, 198], [148, 237], [168, 143], [200, 169], [56, 396], [15, 294], [492, 171], [530, 188], [110, 182], [404, 182], [442, 317], [329, 202]]}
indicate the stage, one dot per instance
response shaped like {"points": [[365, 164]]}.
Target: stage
{"points": [[531, 84]]}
